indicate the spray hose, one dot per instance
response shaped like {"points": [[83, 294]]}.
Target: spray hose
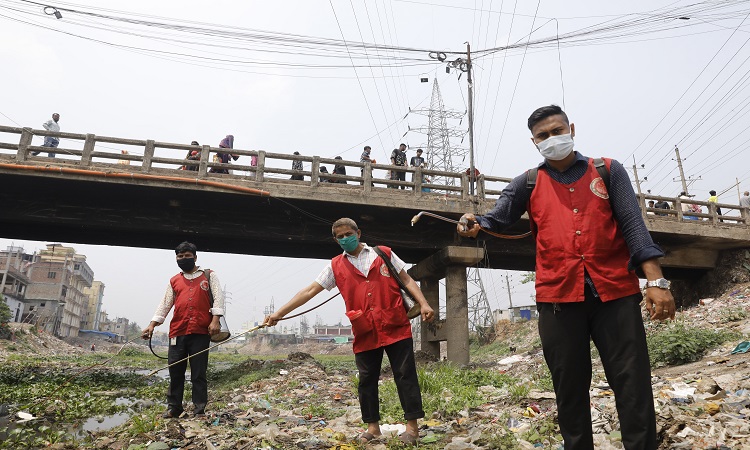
{"points": [[153, 372], [465, 223]]}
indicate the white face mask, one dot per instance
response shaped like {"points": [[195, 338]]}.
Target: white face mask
{"points": [[556, 148]]}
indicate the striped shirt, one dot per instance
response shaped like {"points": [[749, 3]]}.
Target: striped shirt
{"points": [[361, 262]]}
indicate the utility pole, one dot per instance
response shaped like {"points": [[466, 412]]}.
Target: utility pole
{"points": [[682, 173], [641, 200], [507, 282], [472, 172], [739, 198]]}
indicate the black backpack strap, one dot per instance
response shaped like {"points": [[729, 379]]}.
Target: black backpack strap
{"points": [[207, 273], [531, 178], [601, 167]]}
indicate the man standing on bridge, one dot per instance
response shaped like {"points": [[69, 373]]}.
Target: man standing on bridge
{"points": [[379, 323], [745, 200], [198, 302], [590, 237], [51, 141]]}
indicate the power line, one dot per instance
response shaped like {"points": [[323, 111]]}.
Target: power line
{"points": [[374, 124], [510, 105]]}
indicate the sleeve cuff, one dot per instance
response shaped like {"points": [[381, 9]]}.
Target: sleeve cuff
{"points": [[217, 311], [158, 319], [644, 254]]}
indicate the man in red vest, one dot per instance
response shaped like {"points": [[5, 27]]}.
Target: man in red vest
{"points": [[379, 323], [193, 323], [590, 237]]}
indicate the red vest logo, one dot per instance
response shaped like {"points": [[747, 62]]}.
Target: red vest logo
{"points": [[204, 285], [384, 270], [598, 188]]}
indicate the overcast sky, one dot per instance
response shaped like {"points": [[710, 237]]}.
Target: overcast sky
{"points": [[640, 94]]}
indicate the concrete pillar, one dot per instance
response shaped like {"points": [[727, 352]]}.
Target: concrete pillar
{"points": [[23, 145], [457, 315], [148, 153], [203, 166], [88, 149], [431, 289]]}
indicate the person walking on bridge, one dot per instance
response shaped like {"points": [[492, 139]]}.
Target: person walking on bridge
{"points": [[379, 322], [220, 157], [590, 237], [51, 141], [192, 292], [745, 200]]}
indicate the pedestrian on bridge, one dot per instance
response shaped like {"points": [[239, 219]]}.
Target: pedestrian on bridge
{"points": [[398, 158], [590, 237], [51, 141], [228, 143], [715, 199], [745, 200], [198, 301], [379, 322]]}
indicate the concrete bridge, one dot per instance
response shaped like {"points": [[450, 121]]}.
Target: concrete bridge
{"points": [[93, 193]]}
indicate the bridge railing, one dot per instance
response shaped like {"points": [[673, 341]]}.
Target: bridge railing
{"points": [[730, 214], [149, 156], [90, 151]]}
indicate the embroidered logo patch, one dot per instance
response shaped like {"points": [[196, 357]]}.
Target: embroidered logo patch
{"points": [[598, 188], [384, 271], [204, 285]]}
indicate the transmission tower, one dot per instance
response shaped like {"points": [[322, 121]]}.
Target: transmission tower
{"points": [[441, 153], [480, 313]]}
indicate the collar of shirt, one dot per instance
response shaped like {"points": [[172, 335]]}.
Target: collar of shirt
{"points": [[579, 158], [196, 274]]}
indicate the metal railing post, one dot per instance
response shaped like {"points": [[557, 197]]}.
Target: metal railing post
{"points": [[148, 153], [88, 149], [23, 144]]}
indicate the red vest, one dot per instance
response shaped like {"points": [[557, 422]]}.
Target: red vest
{"points": [[383, 320], [575, 230], [191, 306]]}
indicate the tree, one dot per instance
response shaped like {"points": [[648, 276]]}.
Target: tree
{"points": [[528, 277], [133, 332], [5, 316]]}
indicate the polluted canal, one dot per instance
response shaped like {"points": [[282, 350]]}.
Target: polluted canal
{"points": [[304, 396]]}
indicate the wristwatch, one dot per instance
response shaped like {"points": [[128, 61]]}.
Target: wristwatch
{"points": [[661, 283]]}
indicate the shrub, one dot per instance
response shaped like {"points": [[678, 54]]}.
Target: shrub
{"points": [[678, 343]]}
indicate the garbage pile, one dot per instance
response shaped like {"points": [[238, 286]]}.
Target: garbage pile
{"points": [[700, 405]]}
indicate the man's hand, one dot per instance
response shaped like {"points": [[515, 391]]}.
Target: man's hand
{"points": [[147, 332], [272, 319], [660, 303], [428, 314], [215, 326], [468, 226]]}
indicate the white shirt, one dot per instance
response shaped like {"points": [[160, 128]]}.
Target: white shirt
{"points": [[51, 125], [745, 201], [168, 301], [361, 262]]}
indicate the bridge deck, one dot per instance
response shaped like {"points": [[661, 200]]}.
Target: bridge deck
{"points": [[74, 198]]}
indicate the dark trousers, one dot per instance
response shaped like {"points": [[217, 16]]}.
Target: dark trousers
{"points": [[186, 346], [401, 357], [616, 327]]}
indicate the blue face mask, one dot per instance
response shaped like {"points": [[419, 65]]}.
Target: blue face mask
{"points": [[349, 243]]}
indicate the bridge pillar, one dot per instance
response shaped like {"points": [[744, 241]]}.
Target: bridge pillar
{"points": [[449, 263]]}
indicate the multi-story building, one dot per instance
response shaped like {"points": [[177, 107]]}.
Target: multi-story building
{"points": [[55, 295], [13, 280], [119, 326], [93, 311]]}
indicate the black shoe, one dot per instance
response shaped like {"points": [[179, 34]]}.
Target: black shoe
{"points": [[171, 414]]}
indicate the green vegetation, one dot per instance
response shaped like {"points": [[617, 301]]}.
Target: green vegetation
{"points": [[733, 314], [676, 343], [446, 389], [5, 316]]}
